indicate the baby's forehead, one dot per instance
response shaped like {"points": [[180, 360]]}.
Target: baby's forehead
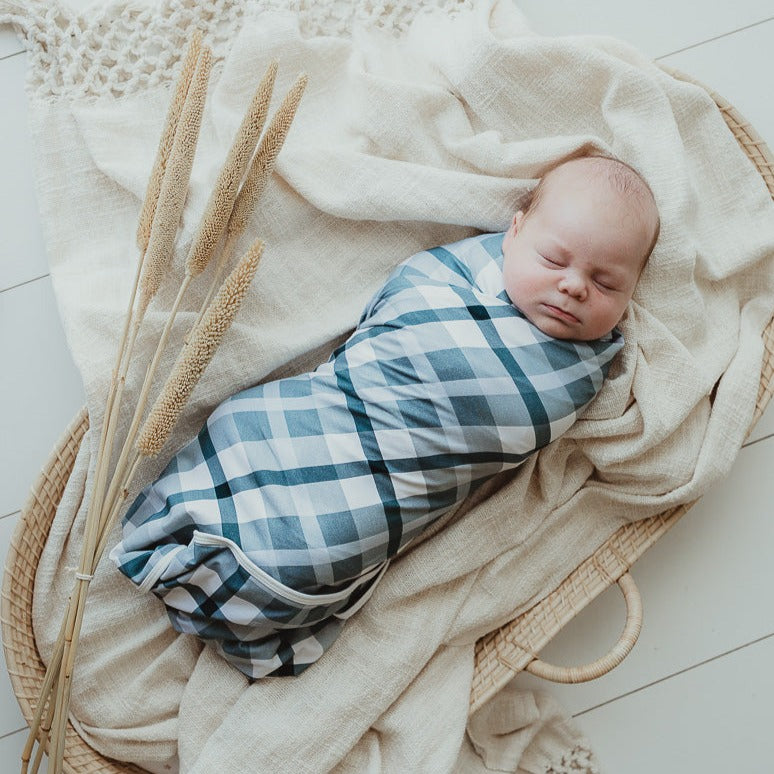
{"points": [[581, 192], [588, 183], [581, 172], [604, 176]]}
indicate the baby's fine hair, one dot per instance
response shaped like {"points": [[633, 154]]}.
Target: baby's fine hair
{"points": [[623, 177]]}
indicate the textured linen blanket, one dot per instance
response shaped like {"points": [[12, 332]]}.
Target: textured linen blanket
{"points": [[415, 130], [272, 527]]}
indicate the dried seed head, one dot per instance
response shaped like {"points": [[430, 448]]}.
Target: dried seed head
{"points": [[196, 355], [222, 198], [175, 185], [167, 139], [266, 156]]}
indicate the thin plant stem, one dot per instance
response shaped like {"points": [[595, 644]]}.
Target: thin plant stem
{"points": [[122, 349], [52, 673], [38, 758], [151, 370], [141, 403], [107, 523], [56, 740], [41, 742], [43, 702], [66, 670]]}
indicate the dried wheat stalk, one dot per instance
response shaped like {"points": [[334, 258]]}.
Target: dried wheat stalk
{"points": [[147, 213], [164, 228], [158, 255], [150, 206], [167, 139], [258, 175], [156, 233], [153, 189], [175, 184], [224, 194]]}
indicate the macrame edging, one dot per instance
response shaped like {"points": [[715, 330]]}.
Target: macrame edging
{"points": [[124, 47]]}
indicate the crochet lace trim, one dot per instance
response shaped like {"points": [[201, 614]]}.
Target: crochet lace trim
{"points": [[125, 46], [579, 760]]}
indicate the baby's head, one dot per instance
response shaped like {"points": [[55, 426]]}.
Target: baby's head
{"points": [[572, 256]]}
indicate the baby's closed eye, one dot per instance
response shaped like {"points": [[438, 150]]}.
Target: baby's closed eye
{"points": [[605, 285]]}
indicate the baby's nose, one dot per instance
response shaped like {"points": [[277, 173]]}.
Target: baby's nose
{"points": [[573, 284]]}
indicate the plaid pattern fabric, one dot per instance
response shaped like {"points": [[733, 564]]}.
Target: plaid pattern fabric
{"points": [[272, 526]]}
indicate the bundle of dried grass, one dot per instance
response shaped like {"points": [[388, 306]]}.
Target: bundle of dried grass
{"points": [[228, 210]]}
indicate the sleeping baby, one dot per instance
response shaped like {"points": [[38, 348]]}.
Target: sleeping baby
{"points": [[273, 526]]}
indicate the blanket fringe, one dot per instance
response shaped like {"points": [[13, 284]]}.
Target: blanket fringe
{"points": [[579, 760], [124, 47]]}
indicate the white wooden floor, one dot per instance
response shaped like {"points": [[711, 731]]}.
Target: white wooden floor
{"points": [[697, 692]]}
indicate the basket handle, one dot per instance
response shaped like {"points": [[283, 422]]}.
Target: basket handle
{"points": [[618, 653]]}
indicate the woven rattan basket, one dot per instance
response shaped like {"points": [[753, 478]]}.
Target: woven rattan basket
{"points": [[499, 655]]}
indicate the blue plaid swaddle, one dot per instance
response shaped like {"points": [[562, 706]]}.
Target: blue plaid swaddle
{"points": [[272, 527]]}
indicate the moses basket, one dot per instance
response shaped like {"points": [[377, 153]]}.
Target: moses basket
{"points": [[500, 655]]}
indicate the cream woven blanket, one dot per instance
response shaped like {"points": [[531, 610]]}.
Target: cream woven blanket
{"points": [[416, 129]]}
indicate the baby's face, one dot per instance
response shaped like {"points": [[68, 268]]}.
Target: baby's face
{"points": [[572, 265]]}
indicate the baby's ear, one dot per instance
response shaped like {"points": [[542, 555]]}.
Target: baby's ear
{"points": [[518, 219]]}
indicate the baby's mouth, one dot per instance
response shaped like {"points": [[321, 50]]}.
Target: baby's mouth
{"points": [[561, 314]]}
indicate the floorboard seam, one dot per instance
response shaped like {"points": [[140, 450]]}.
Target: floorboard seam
{"points": [[11, 733], [674, 674], [25, 282], [716, 37]]}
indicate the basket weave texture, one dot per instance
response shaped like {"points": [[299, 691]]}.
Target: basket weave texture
{"points": [[500, 655]]}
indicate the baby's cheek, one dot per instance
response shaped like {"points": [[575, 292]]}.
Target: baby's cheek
{"points": [[613, 313]]}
